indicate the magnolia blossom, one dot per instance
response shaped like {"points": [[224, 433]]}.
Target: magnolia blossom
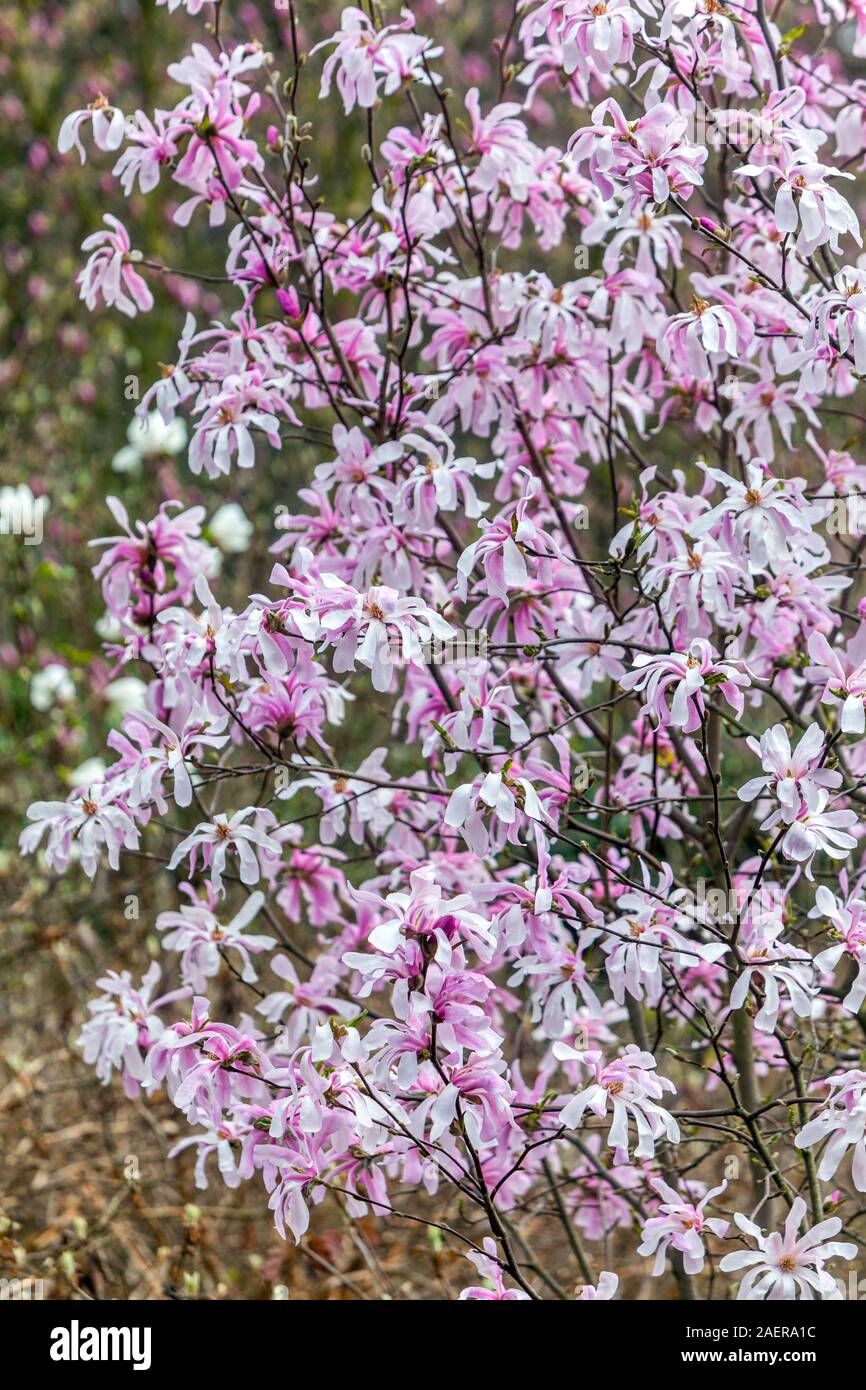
{"points": [[231, 528], [489, 1268], [848, 925], [845, 311], [768, 513], [815, 829], [508, 797], [149, 437], [695, 674], [789, 775], [200, 938], [480, 744], [680, 1226], [51, 685], [214, 840], [805, 200], [93, 819], [844, 674], [124, 1022], [366, 59], [720, 329], [170, 755], [843, 1123], [109, 277], [785, 1266], [106, 123], [775, 963], [643, 941], [652, 154], [626, 1084], [605, 1289]]}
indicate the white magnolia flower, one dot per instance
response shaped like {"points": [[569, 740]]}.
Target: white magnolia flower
{"points": [[50, 686], [149, 436], [816, 828], [231, 528], [604, 1290], [775, 963], [125, 694], [200, 937], [218, 836], [783, 1266]]}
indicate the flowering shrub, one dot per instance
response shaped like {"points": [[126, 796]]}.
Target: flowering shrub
{"points": [[557, 941]]}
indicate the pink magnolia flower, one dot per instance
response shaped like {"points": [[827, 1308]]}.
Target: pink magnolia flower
{"points": [[509, 798], [626, 1084], [151, 146], [228, 1059], [123, 1025], [848, 925], [109, 277], [440, 922], [368, 60], [154, 564], [439, 482], [842, 1122], [106, 122], [651, 156], [844, 672], [806, 200], [695, 674], [643, 939], [93, 819], [243, 404], [785, 1266], [774, 962], [290, 1173], [374, 627], [215, 838], [604, 1290], [594, 38], [501, 547], [311, 1004], [788, 774], [691, 337], [489, 1268], [501, 140], [680, 1226], [217, 144], [198, 935], [169, 756], [845, 310], [767, 512]]}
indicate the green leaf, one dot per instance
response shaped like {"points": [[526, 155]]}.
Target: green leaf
{"points": [[789, 39]]}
